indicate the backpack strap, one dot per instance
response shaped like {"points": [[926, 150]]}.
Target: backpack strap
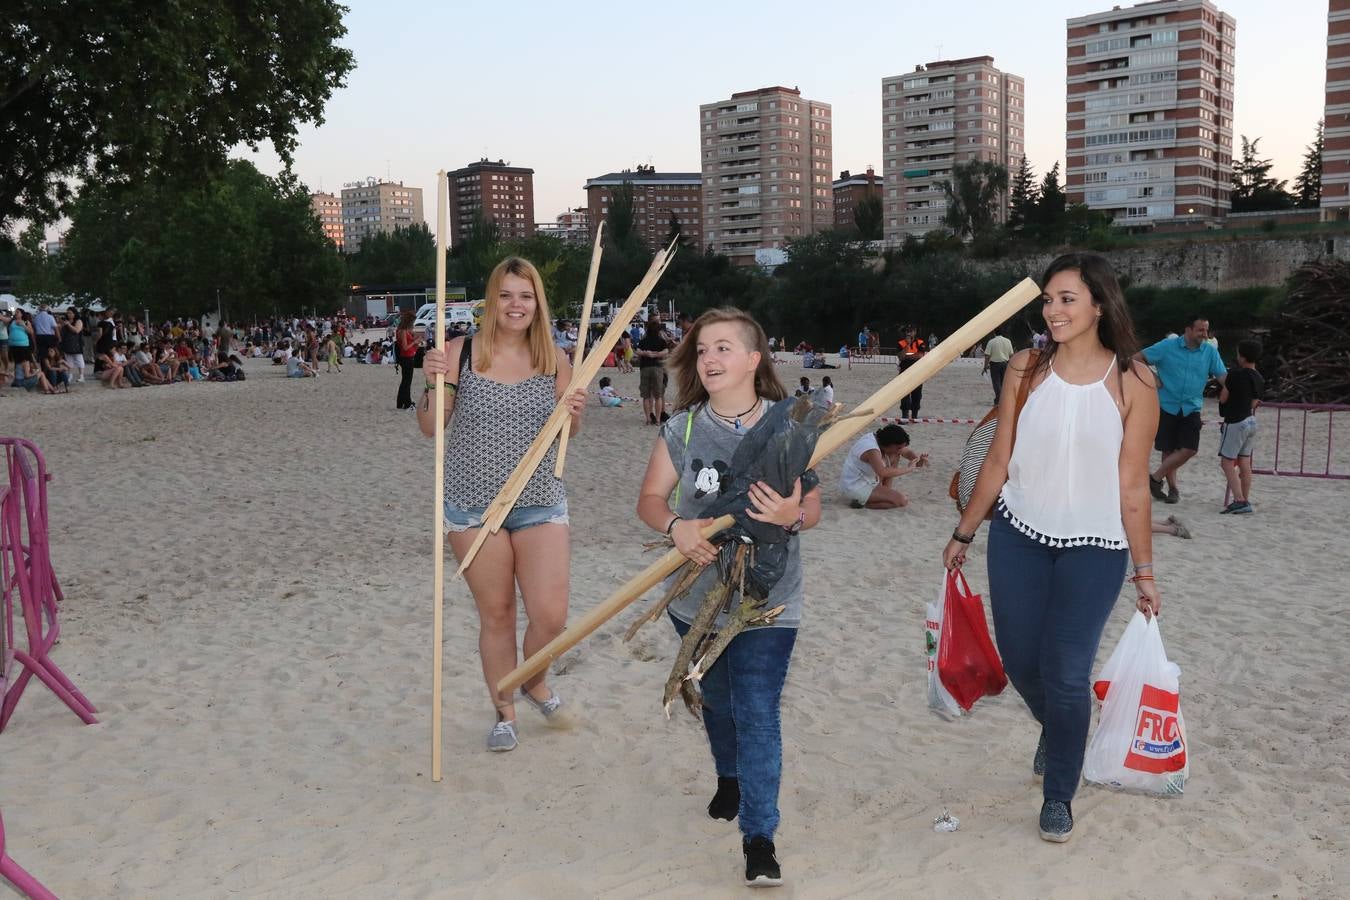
{"points": [[466, 355]]}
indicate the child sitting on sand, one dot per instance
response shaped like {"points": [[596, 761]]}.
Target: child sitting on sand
{"points": [[607, 396]]}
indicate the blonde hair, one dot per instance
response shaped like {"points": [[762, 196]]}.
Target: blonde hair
{"points": [[684, 361], [539, 336]]}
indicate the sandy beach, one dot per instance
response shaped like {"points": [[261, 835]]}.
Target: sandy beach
{"points": [[247, 570]]}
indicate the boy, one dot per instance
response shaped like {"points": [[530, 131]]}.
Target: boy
{"points": [[1238, 399]]}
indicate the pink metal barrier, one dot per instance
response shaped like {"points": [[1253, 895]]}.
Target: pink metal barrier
{"points": [[26, 573], [1304, 409], [14, 873]]}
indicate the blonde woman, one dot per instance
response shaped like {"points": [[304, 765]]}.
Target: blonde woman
{"points": [[502, 385]]}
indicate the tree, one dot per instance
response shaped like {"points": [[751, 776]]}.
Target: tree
{"points": [[39, 274], [626, 255], [1253, 188], [974, 195], [1023, 195], [867, 216], [406, 255], [673, 230], [110, 91], [1308, 184], [175, 245]]}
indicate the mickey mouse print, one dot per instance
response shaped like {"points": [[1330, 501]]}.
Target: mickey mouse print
{"points": [[708, 478]]}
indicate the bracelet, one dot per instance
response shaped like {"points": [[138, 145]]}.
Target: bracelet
{"points": [[1142, 578], [1143, 566], [962, 538], [671, 526]]}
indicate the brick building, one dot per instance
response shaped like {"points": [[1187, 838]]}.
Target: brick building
{"points": [[848, 190], [767, 159], [499, 191], [658, 197], [1150, 112], [1336, 148]]}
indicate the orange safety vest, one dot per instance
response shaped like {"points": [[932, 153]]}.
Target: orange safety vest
{"points": [[911, 348]]}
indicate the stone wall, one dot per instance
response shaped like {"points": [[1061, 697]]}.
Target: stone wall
{"points": [[1217, 265]]}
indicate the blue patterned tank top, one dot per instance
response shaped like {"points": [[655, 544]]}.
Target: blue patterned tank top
{"points": [[492, 428]]}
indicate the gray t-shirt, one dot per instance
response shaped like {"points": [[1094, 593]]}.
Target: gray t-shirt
{"points": [[703, 466]]}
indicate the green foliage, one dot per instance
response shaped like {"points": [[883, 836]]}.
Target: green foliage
{"points": [[1023, 195], [40, 278], [1308, 184], [819, 291], [867, 217], [1160, 311], [107, 92], [1253, 188], [406, 255], [170, 245], [974, 194], [626, 255]]}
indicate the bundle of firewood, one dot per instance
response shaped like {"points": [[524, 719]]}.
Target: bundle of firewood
{"points": [[1307, 352]]}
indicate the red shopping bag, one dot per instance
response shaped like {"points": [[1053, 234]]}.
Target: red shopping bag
{"points": [[968, 664]]}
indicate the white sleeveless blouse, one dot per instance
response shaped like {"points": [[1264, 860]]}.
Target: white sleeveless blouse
{"points": [[1063, 485]]}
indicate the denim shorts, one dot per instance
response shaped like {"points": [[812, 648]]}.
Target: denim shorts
{"points": [[459, 518]]}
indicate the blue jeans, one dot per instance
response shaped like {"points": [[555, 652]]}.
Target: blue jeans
{"points": [[740, 712], [1050, 605], [459, 518]]}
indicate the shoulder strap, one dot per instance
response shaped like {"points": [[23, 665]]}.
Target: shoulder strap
{"points": [[1023, 390], [466, 354], [688, 429]]}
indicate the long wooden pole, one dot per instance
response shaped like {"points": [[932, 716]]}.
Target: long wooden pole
{"points": [[836, 436], [438, 492], [497, 511], [580, 350]]}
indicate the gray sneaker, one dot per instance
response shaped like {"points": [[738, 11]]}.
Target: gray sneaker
{"points": [[1056, 821], [1242, 510], [547, 708], [502, 737]]}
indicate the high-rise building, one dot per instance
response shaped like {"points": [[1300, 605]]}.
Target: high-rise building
{"points": [[572, 226], [658, 199], [947, 112], [849, 190], [328, 210], [1150, 111], [1336, 122], [767, 159], [499, 191], [373, 206]]}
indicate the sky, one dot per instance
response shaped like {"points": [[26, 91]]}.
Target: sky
{"points": [[575, 90]]}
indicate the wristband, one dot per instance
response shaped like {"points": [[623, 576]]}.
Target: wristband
{"points": [[796, 527], [671, 526], [1143, 566], [962, 538]]}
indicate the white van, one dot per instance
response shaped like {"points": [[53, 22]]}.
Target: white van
{"points": [[455, 314]]}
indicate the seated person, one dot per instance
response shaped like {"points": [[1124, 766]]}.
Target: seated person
{"points": [[27, 375], [607, 395], [298, 368], [803, 388], [55, 370], [871, 467]]}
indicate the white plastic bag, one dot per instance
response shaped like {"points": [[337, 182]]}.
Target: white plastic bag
{"points": [[1140, 743], [939, 700]]}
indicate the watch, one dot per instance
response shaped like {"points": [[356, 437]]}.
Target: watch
{"points": [[796, 527]]}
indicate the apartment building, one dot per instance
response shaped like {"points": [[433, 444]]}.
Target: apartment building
{"points": [[849, 189], [943, 113], [571, 225], [373, 206], [1150, 112], [658, 199], [767, 159], [1336, 146], [498, 190], [328, 210]]}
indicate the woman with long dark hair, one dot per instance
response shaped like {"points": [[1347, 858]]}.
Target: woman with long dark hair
{"points": [[502, 386], [405, 349], [725, 379], [1070, 479]]}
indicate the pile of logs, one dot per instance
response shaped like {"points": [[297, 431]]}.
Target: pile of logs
{"points": [[1307, 353]]}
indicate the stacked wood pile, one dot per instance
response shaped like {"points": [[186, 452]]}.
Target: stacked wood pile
{"points": [[1307, 353]]}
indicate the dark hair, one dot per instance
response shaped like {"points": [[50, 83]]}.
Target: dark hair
{"points": [[804, 381], [825, 379], [605, 382], [684, 371], [892, 436], [1196, 317], [1115, 329], [1250, 350]]}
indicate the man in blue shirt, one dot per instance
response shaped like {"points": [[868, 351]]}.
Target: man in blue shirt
{"points": [[1185, 363]]}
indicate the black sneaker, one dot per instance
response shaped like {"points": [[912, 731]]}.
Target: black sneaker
{"points": [[726, 803], [1038, 761], [1155, 487], [761, 866], [1173, 495], [1056, 821]]}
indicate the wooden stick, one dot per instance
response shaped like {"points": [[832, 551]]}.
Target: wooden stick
{"points": [[644, 581], [438, 491], [580, 350], [497, 511], [836, 436]]}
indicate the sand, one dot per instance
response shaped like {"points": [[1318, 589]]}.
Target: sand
{"points": [[247, 570]]}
